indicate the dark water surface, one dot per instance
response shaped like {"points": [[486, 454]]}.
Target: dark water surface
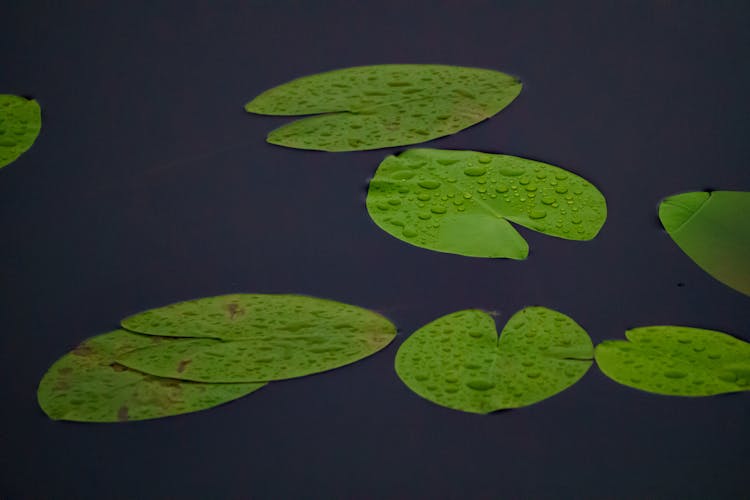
{"points": [[149, 184]]}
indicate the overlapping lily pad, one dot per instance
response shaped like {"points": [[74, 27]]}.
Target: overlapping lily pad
{"points": [[20, 122], [677, 361], [253, 337], [461, 202], [370, 107], [713, 229], [458, 361], [87, 385]]}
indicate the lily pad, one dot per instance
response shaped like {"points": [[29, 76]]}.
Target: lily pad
{"points": [[677, 361], [370, 107], [253, 337], [461, 202], [458, 361], [87, 385], [713, 229], [20, 122]]}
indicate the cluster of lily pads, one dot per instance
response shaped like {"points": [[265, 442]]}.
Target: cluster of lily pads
{"points": [[201, 353]]}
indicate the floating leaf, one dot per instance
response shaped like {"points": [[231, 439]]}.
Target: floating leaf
{"points": [[677, 361], [370, 107], [713, 229], [87, 385], [256, 337], [457, 360], [461, 201], [20, 122]]}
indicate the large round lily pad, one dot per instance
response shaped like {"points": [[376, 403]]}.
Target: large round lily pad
{"points": [[713, 229], [677, 361], [458, 361], [370, 107], [254, 337], [87, 385], [462, 202]]}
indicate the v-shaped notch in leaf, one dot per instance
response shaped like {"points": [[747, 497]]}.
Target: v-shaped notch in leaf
{"points": [[87, 385], [461, 201], [677, 361], [458, 361], [713, 229], [371, 107]]}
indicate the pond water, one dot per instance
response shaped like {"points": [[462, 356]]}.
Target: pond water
{"points": [[149, 184]]}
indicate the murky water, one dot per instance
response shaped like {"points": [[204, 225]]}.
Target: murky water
{"points": [[150, 184]]}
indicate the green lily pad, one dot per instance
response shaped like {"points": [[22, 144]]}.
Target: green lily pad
{"points": [[713, 229], [20, 122], [253, 337], [458, 361], [370, 107], [677, 361], [462, 201], [87, 385]]}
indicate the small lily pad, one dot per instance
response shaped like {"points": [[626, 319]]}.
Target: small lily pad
{"points": [[677, 361], [458, 361], [370, 107], [20, 123], [461, 202], [713, 229], [87, 385], [254, 337]]}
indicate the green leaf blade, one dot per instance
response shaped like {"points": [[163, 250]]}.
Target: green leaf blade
{"points": [[254, 337], [677, 361], [458, 362], [713, 229], [20, 123], [461, 201], [371, 107], [87, 385]]}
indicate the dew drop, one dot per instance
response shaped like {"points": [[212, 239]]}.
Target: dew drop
{"points": [[511, 170], [475, 171], [429, 184], [537, 213], [447, 161], [548, 200], [403, 175], [480, 385]]}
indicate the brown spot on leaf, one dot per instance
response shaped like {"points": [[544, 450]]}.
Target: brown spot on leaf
{"points": [[118, 367], [235, 310], [182, 364], [61, 385], [122, 414], [65, 370], [83, 350], [169, 382]]}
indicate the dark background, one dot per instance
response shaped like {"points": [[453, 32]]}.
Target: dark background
{"points": [[149, 184]]}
